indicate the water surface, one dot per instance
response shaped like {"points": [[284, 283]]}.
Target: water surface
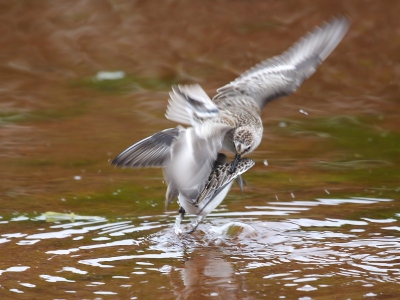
{"points": [[82, 81]]}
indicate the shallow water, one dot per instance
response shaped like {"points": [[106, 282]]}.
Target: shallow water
{"points": [[319, 218], [279, 249]]}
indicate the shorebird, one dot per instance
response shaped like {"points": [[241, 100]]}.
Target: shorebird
{"points": [[213, 192], [229, 121]]}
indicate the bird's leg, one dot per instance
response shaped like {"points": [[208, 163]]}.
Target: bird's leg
{"points": [[196, 223], [178, 220], [241, 183]]}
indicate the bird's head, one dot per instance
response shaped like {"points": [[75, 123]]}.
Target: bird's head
{"points": [[245, 141]]}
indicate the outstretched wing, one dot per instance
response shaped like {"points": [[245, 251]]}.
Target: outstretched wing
{"points": [[281, 75], [188, 102], [153, 151]]}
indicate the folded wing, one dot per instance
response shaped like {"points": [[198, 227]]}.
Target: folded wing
{"points": [[220, 178]]}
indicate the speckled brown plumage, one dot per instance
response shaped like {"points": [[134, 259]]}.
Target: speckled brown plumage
{"points": [[229, 121]]}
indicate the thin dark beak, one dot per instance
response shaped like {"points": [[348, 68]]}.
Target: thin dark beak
{"points": [[235, 162]]}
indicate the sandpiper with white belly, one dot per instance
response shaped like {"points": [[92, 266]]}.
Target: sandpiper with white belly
{"points": [[229, 121]]}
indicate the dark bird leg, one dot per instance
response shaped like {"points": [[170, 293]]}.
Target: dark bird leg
{"points": [[178, 220]]}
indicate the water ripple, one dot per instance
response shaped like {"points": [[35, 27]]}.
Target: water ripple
{"points": [[301, 252], [96, 262]]}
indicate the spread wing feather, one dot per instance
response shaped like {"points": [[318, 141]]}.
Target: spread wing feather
{"points": [[281, 75], [153, 151], [189, 101]]}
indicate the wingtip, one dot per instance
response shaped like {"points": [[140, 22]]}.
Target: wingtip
{"points": [[113, 162], [342, 18], [341, 22], [116, 163]]}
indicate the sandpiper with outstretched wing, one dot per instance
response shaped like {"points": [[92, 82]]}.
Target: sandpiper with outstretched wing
{"points": [[230, 120]]}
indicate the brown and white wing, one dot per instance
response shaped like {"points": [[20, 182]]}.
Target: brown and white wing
{"points": [[281, 75], [221, 177], [188, 103]]}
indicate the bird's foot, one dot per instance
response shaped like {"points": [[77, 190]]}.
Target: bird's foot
{"points": [[195, 225]]}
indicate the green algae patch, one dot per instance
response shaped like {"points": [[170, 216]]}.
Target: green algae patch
{"points": [[84, 162], [34, 162], [11, 117], [123, 200], [44, 115], [357, 137], [349, 148], [389, 214], [51, 216]]}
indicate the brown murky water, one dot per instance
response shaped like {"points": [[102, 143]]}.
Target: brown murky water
{"points": [[320, 218]]}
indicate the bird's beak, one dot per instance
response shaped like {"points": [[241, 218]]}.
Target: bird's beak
{"points": [[235, 162]]}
